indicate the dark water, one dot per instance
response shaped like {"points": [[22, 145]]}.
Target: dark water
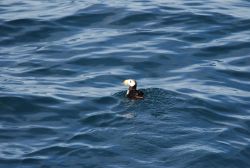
{"points": [[62, 100]]}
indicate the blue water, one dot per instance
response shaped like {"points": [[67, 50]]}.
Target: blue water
{"points": [[63, 104]]}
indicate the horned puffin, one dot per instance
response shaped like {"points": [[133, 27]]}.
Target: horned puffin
{"points": [[132, 93]]}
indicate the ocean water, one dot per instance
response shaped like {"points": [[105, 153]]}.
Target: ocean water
{"points": [[63, 104]]}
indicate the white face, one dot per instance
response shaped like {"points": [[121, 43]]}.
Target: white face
{"points": [[130, 82]]}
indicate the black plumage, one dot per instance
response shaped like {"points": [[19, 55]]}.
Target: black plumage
{"points": [[132, 93]]}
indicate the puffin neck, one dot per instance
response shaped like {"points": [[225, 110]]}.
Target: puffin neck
{"points": [[132, 87]]}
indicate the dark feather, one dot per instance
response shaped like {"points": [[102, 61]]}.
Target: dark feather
{"points": [[135, 94]]}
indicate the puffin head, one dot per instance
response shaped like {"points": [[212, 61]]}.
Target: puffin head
{"points": [[131, 83]]}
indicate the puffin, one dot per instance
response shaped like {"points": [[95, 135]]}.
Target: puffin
{"points": [[132, 93]]}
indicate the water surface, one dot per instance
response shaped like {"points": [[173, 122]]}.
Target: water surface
{"points": [[62, 101]]}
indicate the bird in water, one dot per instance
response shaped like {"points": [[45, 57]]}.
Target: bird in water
{"points": [[132, 93]]}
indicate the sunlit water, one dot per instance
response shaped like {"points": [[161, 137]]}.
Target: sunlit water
{"points": [[62, 101]]}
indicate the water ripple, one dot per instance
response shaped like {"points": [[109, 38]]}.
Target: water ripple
{"points": [[63, 103]]}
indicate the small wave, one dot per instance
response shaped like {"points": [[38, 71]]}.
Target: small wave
{"points": [[62, 65], [156, 102]]}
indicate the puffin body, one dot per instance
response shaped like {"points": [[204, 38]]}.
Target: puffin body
{"points": [[132, 93]]}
